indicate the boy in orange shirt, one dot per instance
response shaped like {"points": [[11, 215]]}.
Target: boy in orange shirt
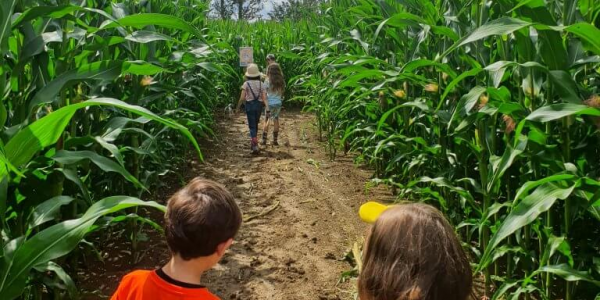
{"points": [[201, 221]]}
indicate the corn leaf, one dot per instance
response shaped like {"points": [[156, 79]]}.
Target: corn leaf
{"points": [[558, 111], [142, 20], [56, 241], [48, 210], [524, 213], [47, 130], [106, 164]]}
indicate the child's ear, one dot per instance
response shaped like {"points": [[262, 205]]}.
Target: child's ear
{"points": [[222, 247]]}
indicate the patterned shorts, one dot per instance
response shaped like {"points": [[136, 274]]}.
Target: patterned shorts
{"points": [[275, 110]]}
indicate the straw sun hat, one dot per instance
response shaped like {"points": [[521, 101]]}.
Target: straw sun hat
{"points": [[252, 71]]}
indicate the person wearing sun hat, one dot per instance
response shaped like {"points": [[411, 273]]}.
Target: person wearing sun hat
{"points": [[411, 253], [254, 96]]}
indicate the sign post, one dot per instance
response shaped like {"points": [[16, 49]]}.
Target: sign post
{"points": [[246, 56]]}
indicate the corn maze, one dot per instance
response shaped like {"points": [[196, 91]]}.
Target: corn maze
{"points": [[488, 110]]}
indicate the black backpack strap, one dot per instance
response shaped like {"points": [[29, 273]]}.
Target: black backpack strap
{"points": [[251, 91]]}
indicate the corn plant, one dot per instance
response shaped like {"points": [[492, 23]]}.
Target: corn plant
{"points": [[98, 98], [489, 110]]}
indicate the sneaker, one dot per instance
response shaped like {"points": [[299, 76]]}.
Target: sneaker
{"points": [[254, 145], [275, 143]]}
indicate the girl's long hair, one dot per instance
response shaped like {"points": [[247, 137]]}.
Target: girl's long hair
{"points": [[412, 253], [276, 79]]}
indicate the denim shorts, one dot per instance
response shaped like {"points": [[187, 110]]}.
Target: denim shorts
{"points": [[275, 111]]}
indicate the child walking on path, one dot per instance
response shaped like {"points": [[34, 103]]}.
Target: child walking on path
{"points": [[275, 87], [412, 253], [254, 95]]}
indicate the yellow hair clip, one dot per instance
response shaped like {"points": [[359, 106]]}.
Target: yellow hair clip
{"points": [[370, 211]]}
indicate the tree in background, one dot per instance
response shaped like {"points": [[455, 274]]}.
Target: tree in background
{"points": [[222, 9], [248, 9], [294, 9], [241, 9]]}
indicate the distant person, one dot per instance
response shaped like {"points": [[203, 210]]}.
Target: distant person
{"points": [[254, 95], [412, 253], [270, 60], [200, 224], [275, 86]]}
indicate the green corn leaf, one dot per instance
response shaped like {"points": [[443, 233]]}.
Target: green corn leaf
{"points": [[470, 99], [466, 103], [3, 202], [145, 36], [142, 68], [557, 243], [114, 150], [524, 213], [567, 273], [55, 12], [504, 25], [420, 105], [47, 130], [528, 186], [74, 177], [565, 86], [56, 241], [529, 3], [498, 68], [589, 35], [504, 288], [106, 164], [142, 20], [457, 80], [6, 10], [67, 281], [420, 63], [48, 210], [499, 167], [558, 111], [102, 70]]}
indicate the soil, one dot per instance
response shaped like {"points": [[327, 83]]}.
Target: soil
{"points": [[300, 212]]}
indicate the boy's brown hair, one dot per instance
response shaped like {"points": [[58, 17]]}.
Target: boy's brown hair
{"points": [[199, 217], [412, 253]]}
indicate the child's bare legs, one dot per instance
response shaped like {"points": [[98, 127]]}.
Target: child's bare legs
{"points": [[275, 131], [266, 129], [273, 116]]}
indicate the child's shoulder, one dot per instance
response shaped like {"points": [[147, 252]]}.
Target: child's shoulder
{"points": [[137, 275]]}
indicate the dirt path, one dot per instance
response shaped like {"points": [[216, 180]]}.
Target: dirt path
{"points": [[300, 210]]}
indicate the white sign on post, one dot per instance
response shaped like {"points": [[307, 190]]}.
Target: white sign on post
{"points": [[246, 56]]}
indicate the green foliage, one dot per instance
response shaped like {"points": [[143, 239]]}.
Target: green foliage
{"points": [[491, 112], [67, 144]]}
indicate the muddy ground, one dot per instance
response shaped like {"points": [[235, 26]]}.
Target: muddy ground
{"points": [[300, 213]]}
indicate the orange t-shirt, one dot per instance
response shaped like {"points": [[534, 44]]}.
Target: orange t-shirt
{"points": [[156, 285]]}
